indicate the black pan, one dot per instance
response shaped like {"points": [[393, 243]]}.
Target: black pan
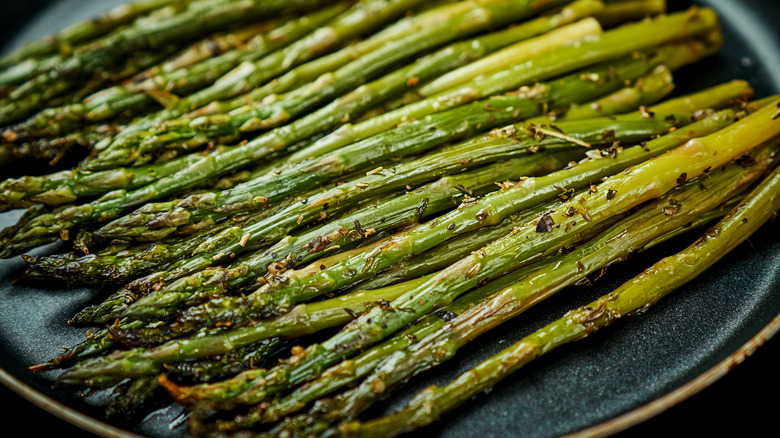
{"points": [[632, 371]]}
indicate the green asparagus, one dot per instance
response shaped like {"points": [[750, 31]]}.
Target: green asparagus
{"points": [[645, 181], [656, 219], [637, 294], [189, 76]]}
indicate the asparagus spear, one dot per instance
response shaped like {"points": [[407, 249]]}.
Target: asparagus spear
{"points": [[70, 185], [456, 21], [102, 341], [107, 370], [303, 320], [45, 228], [617, 12], [362, 18], [197, 18], [642, 182], [561, 61], [385, 216], [637, 294], [54, 149], [228, 364], [83, 31], [427, 168], [32, 66], [161, 304], [341, 234], [311, 71], [213, 281], [412, 138], [216, 280], [21, 101], [299, 53], [181, 349], [446, 59], [136, 96], [265, 115], [209, 46], [391, 367], [656, 219], [130, 397], [350, 370], [716, 97], [275, 296], [265, 302], [532, 71]]}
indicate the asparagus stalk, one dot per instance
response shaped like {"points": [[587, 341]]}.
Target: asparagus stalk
{"points": [[228, 364], [656, 219], [293, 251], [456, 21], [275, 296], [46, 228], [404, 271], [97, 342], [83, 31], [34, 66], [70, 185], [716, 97], [138, 95], [7, 233], [554, 63], [305, 319], [181, 348], [350, 371], [212, 44], [266, 302], [197, 288], [364, 17], [54, 149], [103, 340], [551, 65], [264, 115], [152, 32], [412, 138], [388, 213], [391, 367], [23, 71], [617, 12], [637, 294], [107, 370], [130, 397], [311, 71], [42, 89], [620, 193], [444, 60]]}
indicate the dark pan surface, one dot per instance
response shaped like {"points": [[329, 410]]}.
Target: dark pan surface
{"points": [[626, 367]]}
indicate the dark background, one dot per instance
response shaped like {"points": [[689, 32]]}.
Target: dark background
{"points": [[744, 401]]}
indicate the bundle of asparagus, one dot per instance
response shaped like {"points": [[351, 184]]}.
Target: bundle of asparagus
{"points": [[390, 177]]}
